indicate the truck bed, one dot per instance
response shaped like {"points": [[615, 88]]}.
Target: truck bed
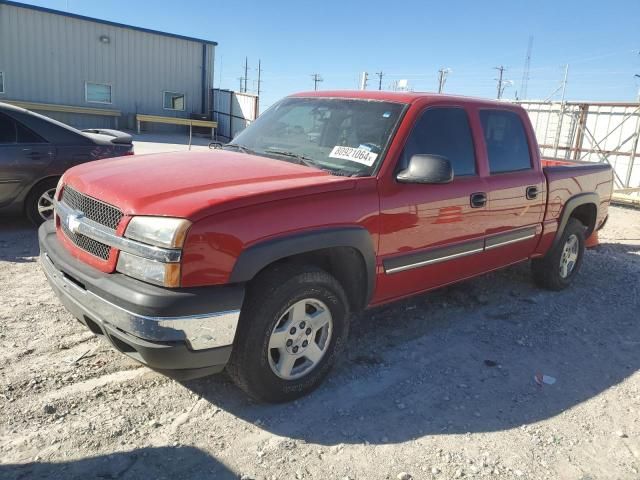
{"points": [[566, 178]]}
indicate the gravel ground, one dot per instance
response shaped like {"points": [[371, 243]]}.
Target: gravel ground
{"points": [[438, 386]]}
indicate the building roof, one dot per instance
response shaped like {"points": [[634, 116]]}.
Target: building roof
{"points": [[104, 22]]}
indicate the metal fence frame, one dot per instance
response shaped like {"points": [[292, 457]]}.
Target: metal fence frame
{"points": [[591, 131]]}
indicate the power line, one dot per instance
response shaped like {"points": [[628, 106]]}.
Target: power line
{"points": [[380, 74], [316, 79]]}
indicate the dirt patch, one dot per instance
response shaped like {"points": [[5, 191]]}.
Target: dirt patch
{"points": [[438, 386]]}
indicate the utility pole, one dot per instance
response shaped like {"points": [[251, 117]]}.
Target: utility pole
{"points": [[380, 74], [316, 79], [259, 75], [500, 69], [246, 71], [364, 78], [241, 83], [442, 78]]}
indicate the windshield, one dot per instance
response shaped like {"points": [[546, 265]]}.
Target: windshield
{"points": [[338, 134]]}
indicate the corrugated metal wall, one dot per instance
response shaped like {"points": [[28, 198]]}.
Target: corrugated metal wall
{"points": [[48, 58]]}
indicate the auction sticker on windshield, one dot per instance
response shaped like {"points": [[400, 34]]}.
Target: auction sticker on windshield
{"points": [[359, 155]]}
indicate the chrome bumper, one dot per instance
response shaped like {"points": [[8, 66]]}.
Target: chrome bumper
{"points": [[212, 330]]}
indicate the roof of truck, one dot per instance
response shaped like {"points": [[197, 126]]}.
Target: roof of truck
{"points": [[400, 97]]}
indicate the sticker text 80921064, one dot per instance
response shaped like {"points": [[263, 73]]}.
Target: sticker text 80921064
{"points": [[359, 155]]}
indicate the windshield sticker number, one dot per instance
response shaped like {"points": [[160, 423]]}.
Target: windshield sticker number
{"points": [[358, 155]]}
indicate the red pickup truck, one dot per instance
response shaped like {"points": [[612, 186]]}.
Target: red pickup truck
{"points": [[252, 256]]}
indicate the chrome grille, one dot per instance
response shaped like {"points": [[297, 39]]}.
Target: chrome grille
{"points": [[93, 209], [87, 244]]}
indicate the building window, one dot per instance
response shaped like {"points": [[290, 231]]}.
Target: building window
{"points": [[1, 82], [173, 101], [98, 92]]}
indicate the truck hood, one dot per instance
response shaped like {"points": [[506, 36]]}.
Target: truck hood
{"points": [[196, 184]]}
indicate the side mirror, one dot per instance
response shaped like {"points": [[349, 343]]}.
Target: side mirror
{"points": [[427, 169]]}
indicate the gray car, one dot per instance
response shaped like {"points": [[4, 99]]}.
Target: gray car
{"points": [[36, 150]]}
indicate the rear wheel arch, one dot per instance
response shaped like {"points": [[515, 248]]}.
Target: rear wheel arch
{"points": [[32, 195], [583, 207], [346, 253]]}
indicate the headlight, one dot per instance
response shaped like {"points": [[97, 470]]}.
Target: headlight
{"points": [[163, 274], [159, 231], [162, 232]]}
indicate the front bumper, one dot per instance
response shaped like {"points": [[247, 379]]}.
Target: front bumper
{"points": [[182, 332]]}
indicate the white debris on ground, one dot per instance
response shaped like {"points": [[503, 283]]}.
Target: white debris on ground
{"points": [[439, 386]]}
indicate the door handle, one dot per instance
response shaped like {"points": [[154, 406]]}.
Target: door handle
{"points": [[532, 193], [478, 200]]}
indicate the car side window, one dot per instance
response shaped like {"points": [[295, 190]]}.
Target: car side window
{"points": [[7, 130], [443, 131], [506, 140], [26, 135]]}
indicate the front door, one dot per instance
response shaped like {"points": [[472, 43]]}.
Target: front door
{"points": [[24, 156], [432, 234]]}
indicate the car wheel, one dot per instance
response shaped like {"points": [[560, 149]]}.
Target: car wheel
{"points": [[293, 325], [39, 203], [557, 269]]}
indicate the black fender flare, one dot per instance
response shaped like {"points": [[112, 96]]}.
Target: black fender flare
{"points": [[570, 205], [258, 256]]}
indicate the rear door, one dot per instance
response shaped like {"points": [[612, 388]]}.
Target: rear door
{"points": [[516, 196], [24, 156]]}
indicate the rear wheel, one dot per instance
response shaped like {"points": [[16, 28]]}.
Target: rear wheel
{"points": [[557, 269], [293, 325], [39, 203]]}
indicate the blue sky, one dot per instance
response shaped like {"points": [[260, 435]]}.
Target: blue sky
{"points": [[409, 40]]}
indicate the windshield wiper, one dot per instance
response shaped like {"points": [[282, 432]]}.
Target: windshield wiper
{"points": [[301, 158], [239, 147]]}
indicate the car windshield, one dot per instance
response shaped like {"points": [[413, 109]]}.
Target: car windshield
{"points": [[344, 136]]}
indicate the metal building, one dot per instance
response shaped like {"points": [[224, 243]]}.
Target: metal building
{"points": [[89, 72]]}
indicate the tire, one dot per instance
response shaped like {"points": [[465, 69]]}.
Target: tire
{"points": [[270, 314], [549, 271], [37, 198]]}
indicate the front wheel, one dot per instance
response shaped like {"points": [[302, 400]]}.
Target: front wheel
{"points": [[294, 324], [557, 269]]}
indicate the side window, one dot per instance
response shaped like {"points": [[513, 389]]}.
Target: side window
{"points": [[506, 139], [443, 131], [26, 135], [7, 130]]}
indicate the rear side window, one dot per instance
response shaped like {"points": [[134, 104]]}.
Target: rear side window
{"points": [[507, 145], [443, 131], [7, 130], [26, 135]]}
